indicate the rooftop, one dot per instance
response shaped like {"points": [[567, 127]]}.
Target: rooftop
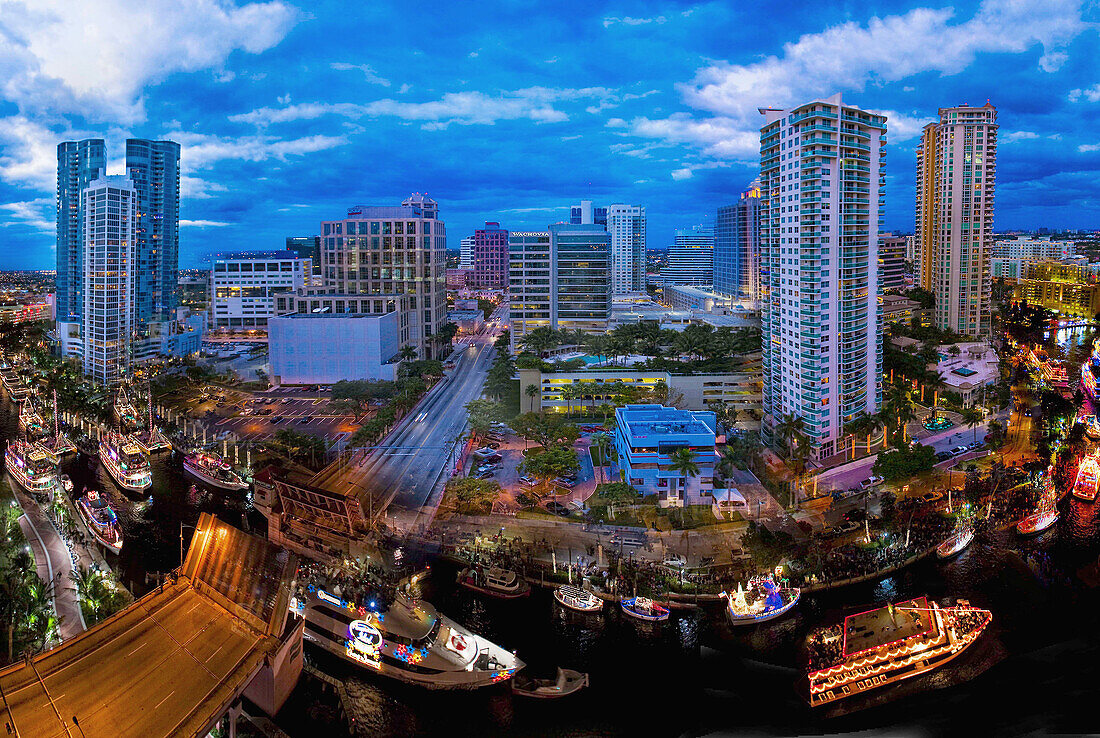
{"points": [[650, 421], [880, 627]]}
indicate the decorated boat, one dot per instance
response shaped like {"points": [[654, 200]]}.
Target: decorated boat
{"points": [[955, 545], [643, 608], [30, 421], [125, 462], [1037, 522], [409, 641], [125, 413], [766, 599], [1088, 475], [30, 466], [210, 469], [577, 599], [100, 519], [495, 581], [885, 645], [566, 682]]}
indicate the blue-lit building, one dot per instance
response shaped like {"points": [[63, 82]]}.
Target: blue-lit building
{"points": [[154, 168], [79, 163], [646, 437], [737, 247]]}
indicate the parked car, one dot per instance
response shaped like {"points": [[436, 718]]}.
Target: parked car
{"points": [[557, 508], [675, 561], [486, 474], [855, 516], [566, 482], [528, 481], [975, 445], [943, 455], [959, 450], [493, 445], [484, 451], [487, 467], [627, 539], [931, 497]]}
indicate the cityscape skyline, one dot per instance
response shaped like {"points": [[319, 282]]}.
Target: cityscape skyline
{"points": [[264, 158]]}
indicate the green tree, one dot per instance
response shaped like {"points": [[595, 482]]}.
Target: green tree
{"points": [[545, 429], [602, 443], [551, 461], [533, 391], [356, 395], [683, 461], [971, 418], [482, 413]]}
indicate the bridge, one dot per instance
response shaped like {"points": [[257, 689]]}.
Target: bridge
{"points": [[178, 659]]}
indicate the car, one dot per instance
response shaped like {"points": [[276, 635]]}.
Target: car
{"points": [[675, 561], [731, 503], [493, 446], [488, 467], [943, 455], [485, 474], [959, 450], [931, 497], [565, 482], [855, 516], [627, 539], [557, 508], [276, 419], [528, 481], [484, 451], [975, 445]]}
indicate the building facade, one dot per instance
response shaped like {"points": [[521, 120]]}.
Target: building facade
{"points": [[490, 257], [626, 224], [891, 262], [306, 247], [384, 250], [1067, 289], [647, 439], [737, 247], [154, 167], [111, 222], [309, 348], [79, 163], [821, 205], [243, 286], [586, 214], [956, 182], [1029, 248], [466, 253]]}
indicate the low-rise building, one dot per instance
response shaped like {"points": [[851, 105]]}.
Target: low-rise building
{"points": [[900, 309], [26, 313], [1067, 289], [243, 286], [317, 348], [468, 321], [684, 297], [967, 368], [647, 439]]}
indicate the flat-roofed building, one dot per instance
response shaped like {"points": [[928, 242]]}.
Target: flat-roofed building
{"points": [[648, 439]]}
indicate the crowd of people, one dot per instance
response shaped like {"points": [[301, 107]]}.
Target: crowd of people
{"points": [[825, 647]]}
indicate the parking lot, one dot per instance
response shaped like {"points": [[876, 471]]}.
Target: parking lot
{"points": [[257, 417]]}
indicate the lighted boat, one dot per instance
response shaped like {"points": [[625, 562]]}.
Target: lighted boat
{"points": [[955, 545], [643, 608], [575, 598], [100, 519], [125, 462], [16, 387], [30, 421], [125, 413], [765, 600], [30, 466], [212, 470], [409, 641], [495, 581], [57, 446], [66, 483], [1085, 484], [888, 644], [152, 441], [566, 682], [1036, 523]]}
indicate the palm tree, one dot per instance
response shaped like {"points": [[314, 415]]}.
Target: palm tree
{"points": [[602, 442], [971, 417], [727, 462], [407, 353], [789, 428], [533, 391], [683, 461]]}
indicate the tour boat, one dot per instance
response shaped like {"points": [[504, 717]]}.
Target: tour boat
{"points": [[57, 446], [100, 519], [1085, 484], [566, 682], [152, 441], [955, 544], [125, 462], [644, 608], [888, 644], [575, 598], [30, 466], [497, 582], [410, 641], [769, 601], [66, 483], [125, 413], [211, 470], [17, 388], [30, 421]]}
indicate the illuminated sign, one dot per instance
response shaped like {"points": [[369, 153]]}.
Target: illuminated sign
{"points": [[325, 596], [364, 643]]}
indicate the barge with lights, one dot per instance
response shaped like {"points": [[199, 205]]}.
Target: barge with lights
{"points": [[125, 462], [32, 467]]}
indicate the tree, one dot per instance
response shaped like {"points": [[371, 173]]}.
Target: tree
{"points": [[971, 418], [682, 461], [472, 496], [407, 353], [766, 548], [481, 414], [545, 429], [904, 462], [551, 461], [356, 395], [533, 391], [602, 443]]}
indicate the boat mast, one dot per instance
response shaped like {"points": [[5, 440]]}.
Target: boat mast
{"points": [[56, 428]]}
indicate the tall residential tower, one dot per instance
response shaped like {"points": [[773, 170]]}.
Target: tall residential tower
{"points": [[956, 180], [820, 211], [79, 163], [737, 247], [626, 224]]}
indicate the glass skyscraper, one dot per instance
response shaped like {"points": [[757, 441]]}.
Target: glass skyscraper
{"points": [[737, 247], [79, 163], [154, 167]]}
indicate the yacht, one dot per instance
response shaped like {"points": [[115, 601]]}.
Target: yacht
{"points": [[955, 545], [643, 608], [100, 519], [769, 600], [1085, 484], [212, 470], [887, 644], [17, 388], [125, 462], [496, 582], [30, 421], [577, 599], [408, 641], [30, 466]]}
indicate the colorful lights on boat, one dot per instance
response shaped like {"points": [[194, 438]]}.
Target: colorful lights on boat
{"points": [[410, 655]]}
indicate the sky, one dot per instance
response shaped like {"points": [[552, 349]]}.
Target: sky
{"points": [[289, 113]]}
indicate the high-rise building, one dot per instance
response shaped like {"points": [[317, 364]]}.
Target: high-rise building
{"points": [[737, 247], [243, 286], [822, 174], [466, 254], [891, 262], [692, 266], [490, 257], [626, 224], [698, 236], [154, 168], [111, 222], [79, 163], [956, 181], [392, 250], [306, 247], [559, 278], [585, 214]]}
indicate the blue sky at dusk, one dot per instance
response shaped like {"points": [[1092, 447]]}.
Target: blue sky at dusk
{"points": [[287, 114]]}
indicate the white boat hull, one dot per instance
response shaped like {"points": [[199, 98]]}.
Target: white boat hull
{"points": [[213, 482]]}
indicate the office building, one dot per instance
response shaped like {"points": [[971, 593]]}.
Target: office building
{"points": [[111, 221], [626, 224], [821, 323], [1071, 290], [559, 278], [79, 163], [1028, 248], [891, 262], [243, 286], [956, 181], [306, 247], [692, 266], [384, 250], [681, 297], [699, 236], [585, 214], [646, 439], [737, 247], [466, 254], [490, 257]]}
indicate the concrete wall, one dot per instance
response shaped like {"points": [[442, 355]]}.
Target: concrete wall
{"points": [[323, 349]]}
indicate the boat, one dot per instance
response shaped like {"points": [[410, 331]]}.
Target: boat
{"points": [[566, 682], [66, 483], [645, 609], [769, 600], [151, 441], [30, 466], [30, 421], [495, 581], [409, 641], [575, 598], [1085, 483], [211, 470], [885, 645], [16, 387], [57, 446], [124, 411], [1037, 522], [125, 462], [954, 545], [100, 519]]}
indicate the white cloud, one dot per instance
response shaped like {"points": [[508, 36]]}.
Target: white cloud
{"points": [[94, 57], [369, 74], [902, 127], [1092, 94], [626, 20], [403, 89], [679, 174], [719, 137], [203, 223], [1087, 148], [28, 154], [34, 213], [202, 150], [300, 111], [1014, 136]]}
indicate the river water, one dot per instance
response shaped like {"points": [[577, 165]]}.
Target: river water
{"points": [[1037, 666]]}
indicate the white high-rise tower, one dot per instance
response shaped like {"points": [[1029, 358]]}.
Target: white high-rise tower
{"points": [[626, 224]]}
